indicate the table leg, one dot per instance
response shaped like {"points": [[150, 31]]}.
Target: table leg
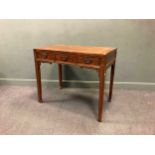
{"points": [[111, 81], [101, 92], [38, 77], [60, 75]]}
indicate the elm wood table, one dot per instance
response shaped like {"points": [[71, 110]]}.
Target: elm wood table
{"points": [[99, 58]]}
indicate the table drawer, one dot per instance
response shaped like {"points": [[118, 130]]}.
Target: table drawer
{"points": [[78, 59], [89, 60], [68, 58], [45, 55], [65, 57]]}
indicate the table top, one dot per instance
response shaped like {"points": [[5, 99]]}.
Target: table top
{"points": [[79, 49]]}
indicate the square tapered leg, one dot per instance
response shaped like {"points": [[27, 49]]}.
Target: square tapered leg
{"points": [[38, 77], [111, 81], [101, 92], [60, 75]]}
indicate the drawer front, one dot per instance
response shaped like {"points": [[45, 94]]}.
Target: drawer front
{"points": [[65, 57], [69, 58], [78, 59], [89, 60], [45, 55]]}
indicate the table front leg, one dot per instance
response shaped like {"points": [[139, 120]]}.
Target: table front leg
{"points": [[101, 92], [111, 81], [38, 78], [60, 75]]}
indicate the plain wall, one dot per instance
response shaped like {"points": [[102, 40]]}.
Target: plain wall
{"points": [[135, 40]]}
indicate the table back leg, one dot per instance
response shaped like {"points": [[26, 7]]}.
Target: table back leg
{"points": [[60, 75], [111, 81]]}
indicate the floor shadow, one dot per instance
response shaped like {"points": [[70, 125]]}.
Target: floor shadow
{"points": [[87, 100], [70, 100]]}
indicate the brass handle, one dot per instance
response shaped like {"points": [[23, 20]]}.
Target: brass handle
{"points": [[64, 57], [88, 60], [44, 55]]}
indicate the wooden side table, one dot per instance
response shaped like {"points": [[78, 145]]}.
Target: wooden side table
{"points": [[99, 58]]}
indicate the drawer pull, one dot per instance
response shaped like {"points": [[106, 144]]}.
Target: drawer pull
{"points": [[44, 55], [64, 57], [88, 60]]}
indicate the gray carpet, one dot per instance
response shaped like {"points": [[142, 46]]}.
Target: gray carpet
{"points": [[73, 111]]}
